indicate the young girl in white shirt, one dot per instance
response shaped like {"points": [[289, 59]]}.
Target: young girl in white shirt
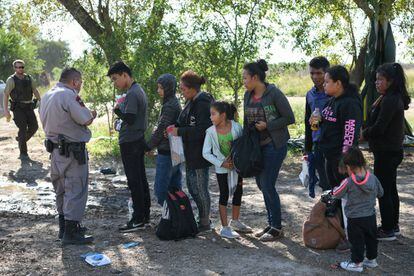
{"points": [[217, 149]]}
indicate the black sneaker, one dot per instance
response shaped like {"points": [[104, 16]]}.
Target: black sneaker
{"points": [[132, 226], [397, 231], [24, 156], [272, 235], [203, 227], [383, 235], [262, 232]]}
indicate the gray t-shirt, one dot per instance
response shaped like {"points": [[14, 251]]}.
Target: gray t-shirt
{"points": [[135, 103]]}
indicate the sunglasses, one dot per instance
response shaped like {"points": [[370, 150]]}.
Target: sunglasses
{"points": [[19, 67]]}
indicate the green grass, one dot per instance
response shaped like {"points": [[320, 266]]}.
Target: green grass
{"points": [[410, 81], [293, 84], [102, 146], [297, 129]]}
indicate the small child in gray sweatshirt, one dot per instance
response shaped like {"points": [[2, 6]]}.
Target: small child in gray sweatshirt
{"points": [[361, 190]]}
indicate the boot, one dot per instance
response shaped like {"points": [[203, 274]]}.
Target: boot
{"points": [[73, 234], [61, 226], [82, 229]]}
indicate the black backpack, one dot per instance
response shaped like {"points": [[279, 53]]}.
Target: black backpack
{"points": [[177, 221], [247, 154]]}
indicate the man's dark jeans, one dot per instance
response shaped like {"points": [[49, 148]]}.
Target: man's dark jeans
{"points": [[132, 154]]}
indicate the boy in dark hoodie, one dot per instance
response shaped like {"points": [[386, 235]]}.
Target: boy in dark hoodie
{"points": [[315, 98], [166, 175], [361, 189]]}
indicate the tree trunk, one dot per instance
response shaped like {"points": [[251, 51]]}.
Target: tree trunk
{"points": [[104, 37], [103, 32], [357, 75]]}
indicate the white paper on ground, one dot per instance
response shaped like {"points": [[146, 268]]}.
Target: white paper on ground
{"points": [[98, 260]]}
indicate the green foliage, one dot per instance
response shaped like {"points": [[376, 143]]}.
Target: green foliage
{"points": [[97, 89], [14, 46], [102, 145], [104, 148], [297, 130], [54, 53], [56, 72], [154, 57], [229, 33], [325, 27], [292, 78], [21, 21]]}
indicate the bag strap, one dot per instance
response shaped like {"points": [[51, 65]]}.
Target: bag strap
{"points": [[334, 221]]}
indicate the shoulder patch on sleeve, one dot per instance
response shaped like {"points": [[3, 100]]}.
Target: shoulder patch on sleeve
{"points": [[79, 100]]}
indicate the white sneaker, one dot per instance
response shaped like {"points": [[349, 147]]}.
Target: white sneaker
{"points": [[239, 226], [227, 232], [370, 263], [351, 266]]}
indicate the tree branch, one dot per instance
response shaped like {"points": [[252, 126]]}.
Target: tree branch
{"points": [[101, 35], [363, 5], [84, 19]]}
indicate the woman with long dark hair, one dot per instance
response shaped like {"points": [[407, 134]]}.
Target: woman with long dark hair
{"points": [[341, 120], [340, 125], [385, 135], [267, 108]]}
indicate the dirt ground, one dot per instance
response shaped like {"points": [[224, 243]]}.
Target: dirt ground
{"points": [[28, 227]]}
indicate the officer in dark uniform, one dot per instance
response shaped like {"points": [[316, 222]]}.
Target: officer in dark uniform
{"points": [[20, 88]]}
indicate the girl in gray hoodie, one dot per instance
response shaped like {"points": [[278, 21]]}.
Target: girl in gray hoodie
{"points": [[361, 190]]}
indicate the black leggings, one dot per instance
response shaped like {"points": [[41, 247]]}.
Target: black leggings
{"points": [[362, 233], [332, 171], [385, 168], [224, 190]]}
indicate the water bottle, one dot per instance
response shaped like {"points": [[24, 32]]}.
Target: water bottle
{"points": [[130, 208], [316, 118]]}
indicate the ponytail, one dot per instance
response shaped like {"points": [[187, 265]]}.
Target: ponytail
{"points": [[192, 80], [258, 68], [225, 107], [340, 73]]}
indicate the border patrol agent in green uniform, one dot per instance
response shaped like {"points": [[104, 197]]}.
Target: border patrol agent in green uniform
{"points": [[20, 88], [65, 119]]}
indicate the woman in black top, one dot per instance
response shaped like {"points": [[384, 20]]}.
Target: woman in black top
{"points": [[341, 120], [192, 124], [385, 135]]}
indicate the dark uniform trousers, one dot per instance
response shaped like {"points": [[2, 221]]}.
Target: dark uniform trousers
{"points": [[25, 119]]}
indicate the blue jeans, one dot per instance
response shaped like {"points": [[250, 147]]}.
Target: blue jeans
{"points": [[197, 184], [316, 161], [266, 181], [166, 177]]}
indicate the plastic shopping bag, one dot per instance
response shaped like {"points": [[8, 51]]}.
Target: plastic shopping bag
{"points": [[176, 147], [304, 174]]}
